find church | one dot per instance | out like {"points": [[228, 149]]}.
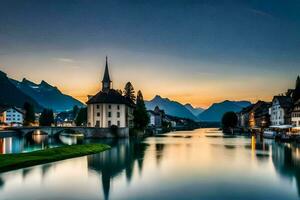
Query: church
{"points": [[109, 107]]}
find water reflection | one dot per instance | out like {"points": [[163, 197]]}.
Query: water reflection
{"points": [[159, 147], [10, 145], [120, 158], [36, 141], [285, 157], [286, 160], [186, 167], [70, 140]]}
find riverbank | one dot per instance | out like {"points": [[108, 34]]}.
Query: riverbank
{"points": [[21, 160]]}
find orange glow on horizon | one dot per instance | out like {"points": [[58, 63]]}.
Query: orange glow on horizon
{"points": [[201, 101]]}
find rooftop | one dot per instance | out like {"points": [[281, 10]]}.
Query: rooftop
{"points": [[112, 96], [284, 101]]}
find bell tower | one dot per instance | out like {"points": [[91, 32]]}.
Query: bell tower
{"points": [[106, 82]]}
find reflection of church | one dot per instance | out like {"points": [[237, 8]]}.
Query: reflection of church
{"points": [[121, 157]]}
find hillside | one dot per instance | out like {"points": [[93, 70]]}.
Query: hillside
{"points": [[170, 107], [194, 111], [11, 95], [215, 112], [47, 95]]}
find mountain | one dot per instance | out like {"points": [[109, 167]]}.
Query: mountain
{"points": [[215, 112], [194, 111], [170, 107], [11, 95], [47, 95]]}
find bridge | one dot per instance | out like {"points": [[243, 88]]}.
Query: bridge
{"points": [[88, 132]]}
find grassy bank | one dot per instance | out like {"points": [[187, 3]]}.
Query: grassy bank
{"points": [[16, 161]]}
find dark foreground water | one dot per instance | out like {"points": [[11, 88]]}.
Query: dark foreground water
{"points": [[201, 164]]}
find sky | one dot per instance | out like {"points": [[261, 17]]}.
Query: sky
{"points": [[191, 51]]}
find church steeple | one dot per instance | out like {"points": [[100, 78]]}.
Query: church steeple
{"points": [[106, 82]]}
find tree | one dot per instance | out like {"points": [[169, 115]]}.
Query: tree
{"points": [[81, 118], [129, 91], [141, 118], [229, 121], [29, 117], [75, 111], [46, 118], [119, 91]]}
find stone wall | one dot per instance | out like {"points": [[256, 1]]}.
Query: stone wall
{"points": [[106, 133]]}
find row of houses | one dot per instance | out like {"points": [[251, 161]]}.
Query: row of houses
{"points": [[159, 122], [283, 111], [14, 116]]}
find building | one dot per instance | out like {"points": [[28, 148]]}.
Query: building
{"points": [[156, 117], [295, 115], [109, 107], [252, 113], [280, 110], [255, 116], [262, 116], [243, 117], [11, 116], [66, 119]]}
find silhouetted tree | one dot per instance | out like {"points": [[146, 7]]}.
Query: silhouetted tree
{"points": [[229, 121], [46, 118], [75, 111], [81, 118], [119, 91], [29, 117], [141, 118], [129, 91]]}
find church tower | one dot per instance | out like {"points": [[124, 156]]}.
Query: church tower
{"points": [[106, 82]]}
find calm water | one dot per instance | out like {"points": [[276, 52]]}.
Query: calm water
{"points": [[182, 165]]}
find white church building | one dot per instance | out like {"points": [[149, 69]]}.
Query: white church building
{"points": [[109, 107]]}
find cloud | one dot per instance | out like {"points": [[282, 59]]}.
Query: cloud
{"points": [[65, 60], [261, 13]]}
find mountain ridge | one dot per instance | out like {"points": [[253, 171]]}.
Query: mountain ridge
{"points": [[13, 96], [47, 95], [215, 112], [170, 107], [194, 110]]}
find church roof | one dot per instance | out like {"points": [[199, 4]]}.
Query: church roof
{"points": [[111, 96], [106, 77]]}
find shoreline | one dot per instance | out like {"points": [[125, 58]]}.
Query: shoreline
{"points": [[9, 162]]}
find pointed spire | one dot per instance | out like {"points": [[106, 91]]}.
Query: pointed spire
{"points": [[106, 82], [106, 77]]}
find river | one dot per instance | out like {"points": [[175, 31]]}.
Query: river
{"points": [[199, 164]]}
